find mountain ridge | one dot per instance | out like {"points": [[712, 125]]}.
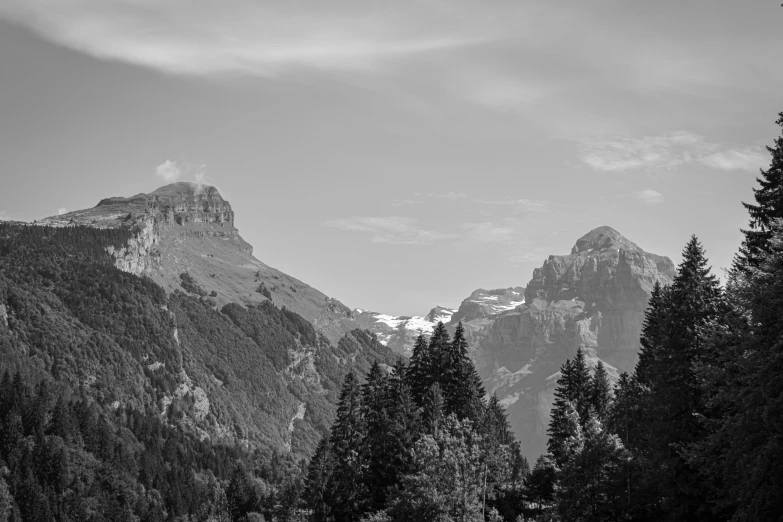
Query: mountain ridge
{"points": [[593, 297]]}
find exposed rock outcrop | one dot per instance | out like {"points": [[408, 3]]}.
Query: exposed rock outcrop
{"points": [[189, 228], [595, 298]]}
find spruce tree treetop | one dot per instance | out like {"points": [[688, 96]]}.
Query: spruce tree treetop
{"points": [[769, 206]]}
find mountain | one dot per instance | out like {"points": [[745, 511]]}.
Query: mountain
{"points": [[156, 303], [595, 297], [182, 237], [400, 332], [188, 228]]}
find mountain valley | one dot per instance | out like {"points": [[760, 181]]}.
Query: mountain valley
{"points": [[594, 298]]}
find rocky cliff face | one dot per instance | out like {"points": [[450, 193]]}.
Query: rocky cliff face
{"points": [[189, 228], [595, 298]]}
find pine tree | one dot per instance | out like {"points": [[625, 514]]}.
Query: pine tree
{"points": [[348, 432], [432, 412], [600, 392], [768, 207], [418, 374], [653, 334], [579, 386], [672, 344], [439, 352], [590, 485], [539, 486], [378, 442], [572, 392], [463, 391], [319, 479], [743, 413]]}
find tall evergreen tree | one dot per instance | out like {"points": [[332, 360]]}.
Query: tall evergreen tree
{"points": [[348, 433], [744, 393], [672, 344], [600, 392], [439, 352], [768, 207], [590, 486], [432, 412], [419, 372]]}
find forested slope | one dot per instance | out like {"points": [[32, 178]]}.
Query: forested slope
{"points": [[112, 346]]}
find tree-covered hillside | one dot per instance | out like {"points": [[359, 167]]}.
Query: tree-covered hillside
{"points": [[134, 370]]}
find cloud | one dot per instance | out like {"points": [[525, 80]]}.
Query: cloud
{"points": [[449, 195], [390, 229], [61, 211], [487, 232], [253, 37], [169, 171], [649, 197], [749, 159], [524, 204], [666, 152]]}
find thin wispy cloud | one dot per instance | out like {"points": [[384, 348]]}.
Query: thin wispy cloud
{"points": [[262, 38], [524, 204], [487, 232], [61, 211], [667, 152], [402, 202], [449, 195], [390, 229], [748, 159], [649, 197]]}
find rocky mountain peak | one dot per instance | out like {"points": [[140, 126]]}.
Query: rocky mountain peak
{"points": [[188, 228], [603, 238]]}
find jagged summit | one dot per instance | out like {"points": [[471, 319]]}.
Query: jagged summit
{"points": [[603, 238]]}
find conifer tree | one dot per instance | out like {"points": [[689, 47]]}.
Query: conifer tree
{"points": [[378, 444], [540, 486], [418, 374], [462, 388], [768, 207], [432, 413], [743, 392], [590, 485], [439, 352], [579, 386], [348, 433], [600, 392], [672, 344]]}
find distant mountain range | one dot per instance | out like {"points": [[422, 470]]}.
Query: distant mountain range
{"points": [[183, 238]]}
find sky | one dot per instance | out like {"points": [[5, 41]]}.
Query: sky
{"points": [[397, 155]]}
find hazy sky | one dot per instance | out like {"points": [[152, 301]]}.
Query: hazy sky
{"points": [[399, 154]]}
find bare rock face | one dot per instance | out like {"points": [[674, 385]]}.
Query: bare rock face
{"points": [[595, 298], [189, 228]]}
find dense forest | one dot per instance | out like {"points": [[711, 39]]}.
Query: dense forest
{"points": [[119, 402]]}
